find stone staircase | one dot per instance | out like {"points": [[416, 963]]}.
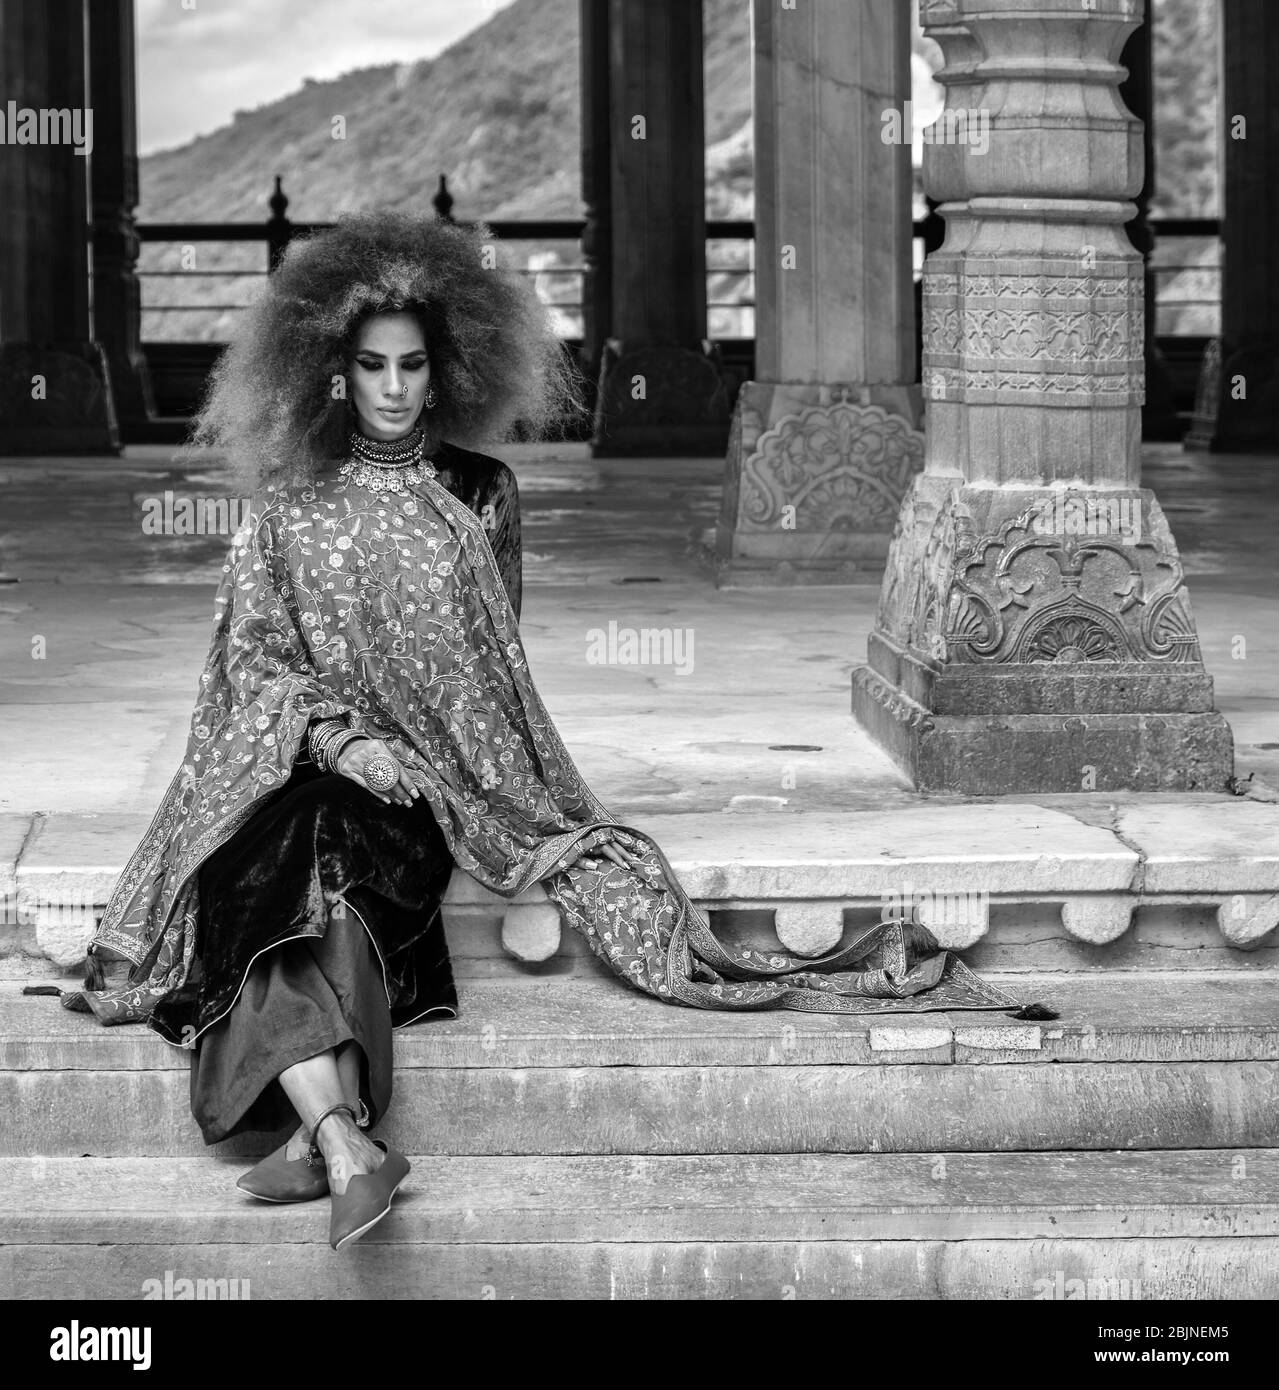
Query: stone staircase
{"points": [[571, 1138]]}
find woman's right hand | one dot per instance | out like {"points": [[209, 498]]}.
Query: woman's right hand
{"points": [[356, 756]]}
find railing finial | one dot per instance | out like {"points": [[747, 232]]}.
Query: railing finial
{"points": [[278, 200], [443, 201], [278, 228]]}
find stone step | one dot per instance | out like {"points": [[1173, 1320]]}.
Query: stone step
{"points": [[719, 1109], [1070, 882], [1183, 1224], [545, 1022], [577, 1066]]}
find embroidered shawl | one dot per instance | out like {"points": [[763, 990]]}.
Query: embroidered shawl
{"points": [[339, 600]]}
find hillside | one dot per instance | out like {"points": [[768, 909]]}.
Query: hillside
{"points": [[497, 111]]}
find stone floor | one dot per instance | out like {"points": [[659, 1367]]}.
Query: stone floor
{"points": [[102, 637]]}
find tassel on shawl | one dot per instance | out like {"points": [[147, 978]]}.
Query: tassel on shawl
{"points": [[95, 977], [919, 940], [1035, 1013]]}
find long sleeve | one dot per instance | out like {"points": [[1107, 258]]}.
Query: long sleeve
{"points": [[260, 689], [505, 536]]}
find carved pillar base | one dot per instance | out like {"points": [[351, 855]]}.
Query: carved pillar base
{"points": [[55, 399], [815, 476], [663, 401], [1039, 639]]}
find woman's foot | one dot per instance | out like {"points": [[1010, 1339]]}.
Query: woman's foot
{"points": [[367, 1198], [347, 1151], [287, 1175]]}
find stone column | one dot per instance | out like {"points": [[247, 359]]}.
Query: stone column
{"points": [[54, 396], [1158, 411], [1034, 633], [1248, 390], [660, 390], [827, 438], [117, 297], [597, 235]]}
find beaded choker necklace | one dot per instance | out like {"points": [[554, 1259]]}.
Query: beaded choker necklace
{"points": [[387, 465]]}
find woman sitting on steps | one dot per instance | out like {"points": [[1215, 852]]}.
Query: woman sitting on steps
{"points": [[366, 720]]}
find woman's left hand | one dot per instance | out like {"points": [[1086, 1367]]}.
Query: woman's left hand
{"points": [[619, 847], [357, 755]]}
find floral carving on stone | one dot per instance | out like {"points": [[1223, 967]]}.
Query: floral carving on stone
{"points": [[841, 466], [991, 337], [1075, 632], [1015, 595]]}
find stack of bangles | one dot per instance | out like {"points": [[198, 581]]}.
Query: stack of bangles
{"points": [[326, 741]]}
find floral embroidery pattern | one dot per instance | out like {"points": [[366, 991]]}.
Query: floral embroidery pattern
{"points": [[336, 599]]}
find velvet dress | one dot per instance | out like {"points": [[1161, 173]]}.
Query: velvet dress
{"points": [[320, 918]]}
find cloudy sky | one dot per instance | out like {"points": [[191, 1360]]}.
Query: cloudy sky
{"points": [[199, 61]]}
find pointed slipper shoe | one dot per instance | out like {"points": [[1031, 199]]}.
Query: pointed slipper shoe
{"points": [[281, 1179], [367, 1199]]}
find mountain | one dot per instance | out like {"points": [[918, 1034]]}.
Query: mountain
{"points": [[497, 111]]}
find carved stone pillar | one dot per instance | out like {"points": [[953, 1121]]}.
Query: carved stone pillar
{"points": [[117, 297], [1034, 633], [660, 390], [1248, 386], [827, 438], [54, 395]]}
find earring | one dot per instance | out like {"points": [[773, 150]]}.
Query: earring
{"points": [[430, 398]]}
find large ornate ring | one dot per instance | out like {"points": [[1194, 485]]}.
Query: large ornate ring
{"points": [[381, 773]]}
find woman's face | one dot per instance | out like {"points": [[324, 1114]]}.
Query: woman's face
{"points": [[389, 375]]}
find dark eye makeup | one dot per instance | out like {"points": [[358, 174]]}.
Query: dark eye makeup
{"points": [[411, 361]]}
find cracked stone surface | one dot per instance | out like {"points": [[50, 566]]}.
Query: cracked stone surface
{"points": [[1239, 841]]}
